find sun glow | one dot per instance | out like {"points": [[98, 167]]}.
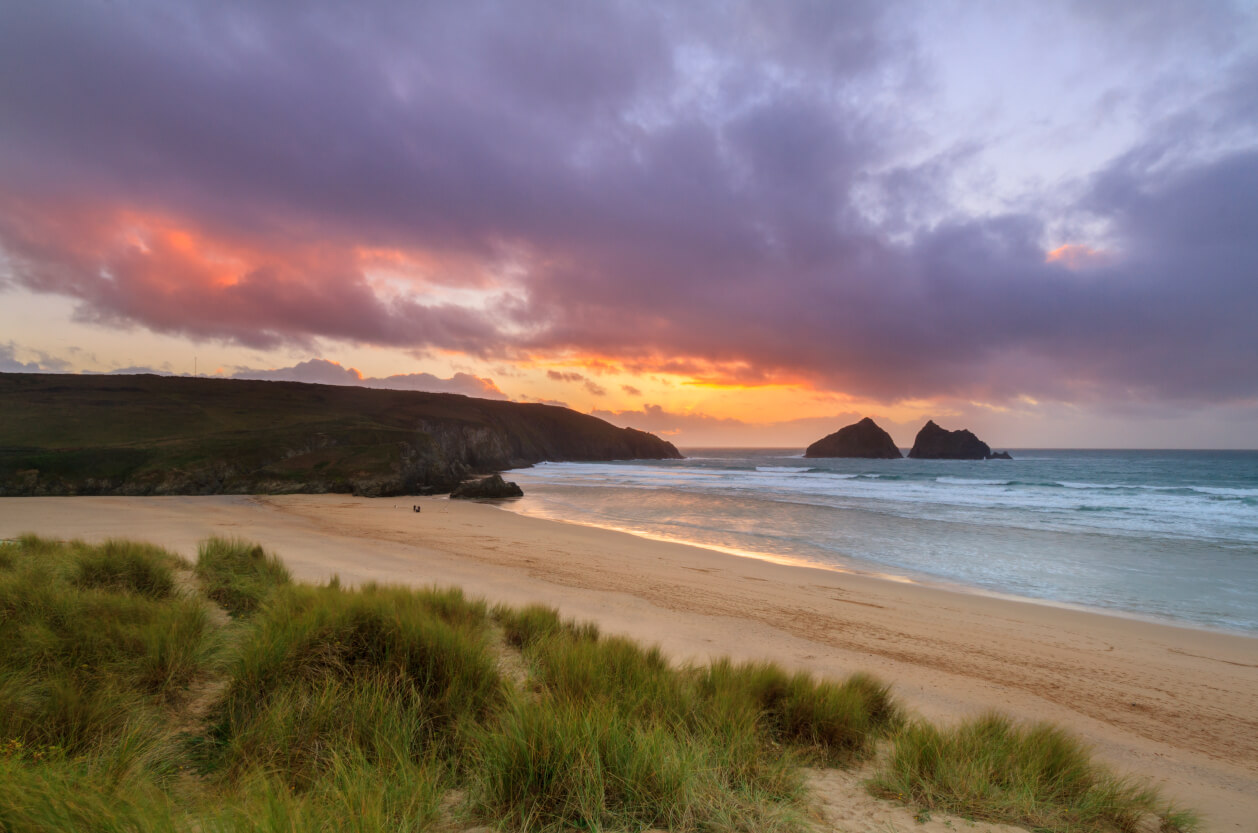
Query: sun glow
{"points": [[1076, 256]]}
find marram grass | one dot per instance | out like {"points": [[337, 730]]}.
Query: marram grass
{"points": [[991, 769], [238, 575], [124, 707], [380, 672]]}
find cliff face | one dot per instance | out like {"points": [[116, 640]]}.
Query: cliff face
{"points": [[151, 435], [935, 443], [863, 439]]}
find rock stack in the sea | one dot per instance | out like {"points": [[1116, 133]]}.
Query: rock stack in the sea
{"points": [[935, 443], [862, 439], [491, 486]]}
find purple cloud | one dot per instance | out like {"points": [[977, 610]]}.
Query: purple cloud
{"points": [[43, 363], [730, 188], [324, 372]]}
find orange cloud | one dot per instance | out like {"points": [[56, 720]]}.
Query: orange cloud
{"points": [[172, 276], [1076, 256]]}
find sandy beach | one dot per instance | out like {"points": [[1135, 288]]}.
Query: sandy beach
{"points": [[1177, 705]]}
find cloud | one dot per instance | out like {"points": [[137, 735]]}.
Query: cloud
{"points": [[42, 363], [324, 372], [739, 191], [631, 390], [568, 376]]}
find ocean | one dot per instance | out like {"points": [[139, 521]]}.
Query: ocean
{"points": [[1168, 535]]}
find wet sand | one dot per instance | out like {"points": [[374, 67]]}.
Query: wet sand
{"points": [[1177, 705]]}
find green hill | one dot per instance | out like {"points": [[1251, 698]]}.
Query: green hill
{"points": [[64, 434]]}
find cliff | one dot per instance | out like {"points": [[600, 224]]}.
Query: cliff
{"points": [[862, 439], [935, 443], [63, 434]]}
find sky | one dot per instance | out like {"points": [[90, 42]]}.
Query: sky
{"points": [[729, 223]]}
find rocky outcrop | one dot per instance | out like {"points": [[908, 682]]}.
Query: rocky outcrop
{"points": [[150, 435], [935, 443], [863, 439], [490, 486]]}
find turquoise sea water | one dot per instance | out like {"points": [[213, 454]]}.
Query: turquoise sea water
{"points": [[1164, 534]]}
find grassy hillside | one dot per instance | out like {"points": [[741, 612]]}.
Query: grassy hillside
{"points": [[66, 434], [140, 693]]}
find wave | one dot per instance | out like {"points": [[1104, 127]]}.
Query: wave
{"points": [[1084, 504], [1223, 491], [1071, 485]]}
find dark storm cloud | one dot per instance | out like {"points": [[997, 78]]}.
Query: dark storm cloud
{"points": [[653, 184]]}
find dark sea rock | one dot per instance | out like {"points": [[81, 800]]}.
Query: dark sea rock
{"points": [[935, 443], [862, 439], [492, 486], [1000, 455]]}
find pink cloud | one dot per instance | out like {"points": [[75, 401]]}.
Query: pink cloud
{"points": [[345, 175]]}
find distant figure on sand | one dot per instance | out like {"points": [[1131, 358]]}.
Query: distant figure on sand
{"points": [[415, 507]]}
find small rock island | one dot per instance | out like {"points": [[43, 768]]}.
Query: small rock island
{"points": [[935, 443], [862, 439]]}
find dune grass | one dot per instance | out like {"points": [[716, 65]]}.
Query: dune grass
{"points": [[526, 626], [385, 673], [1036, 776], [43, 794], [95, 643], [238, 575], [322, 708]]}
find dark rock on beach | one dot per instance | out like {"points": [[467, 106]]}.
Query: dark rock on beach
{"points": [[862, 439], [492, 486], [935, 443]]}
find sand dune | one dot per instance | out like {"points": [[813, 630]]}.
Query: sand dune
{"points": [[1177, 705]]}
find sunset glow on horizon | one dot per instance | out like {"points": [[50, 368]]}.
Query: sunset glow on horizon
{"points": [[729, 225]]}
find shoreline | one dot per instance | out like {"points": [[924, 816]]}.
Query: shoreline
{"points": [[935, 582], [1173, 703]]}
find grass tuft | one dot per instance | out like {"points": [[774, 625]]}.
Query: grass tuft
{"points": [[89, 661], [382, 672], [636, 680], [127, 567], [54, 794], [828, 722], [526, 626], [567, 766], [239, 575], [1037, 776]]}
